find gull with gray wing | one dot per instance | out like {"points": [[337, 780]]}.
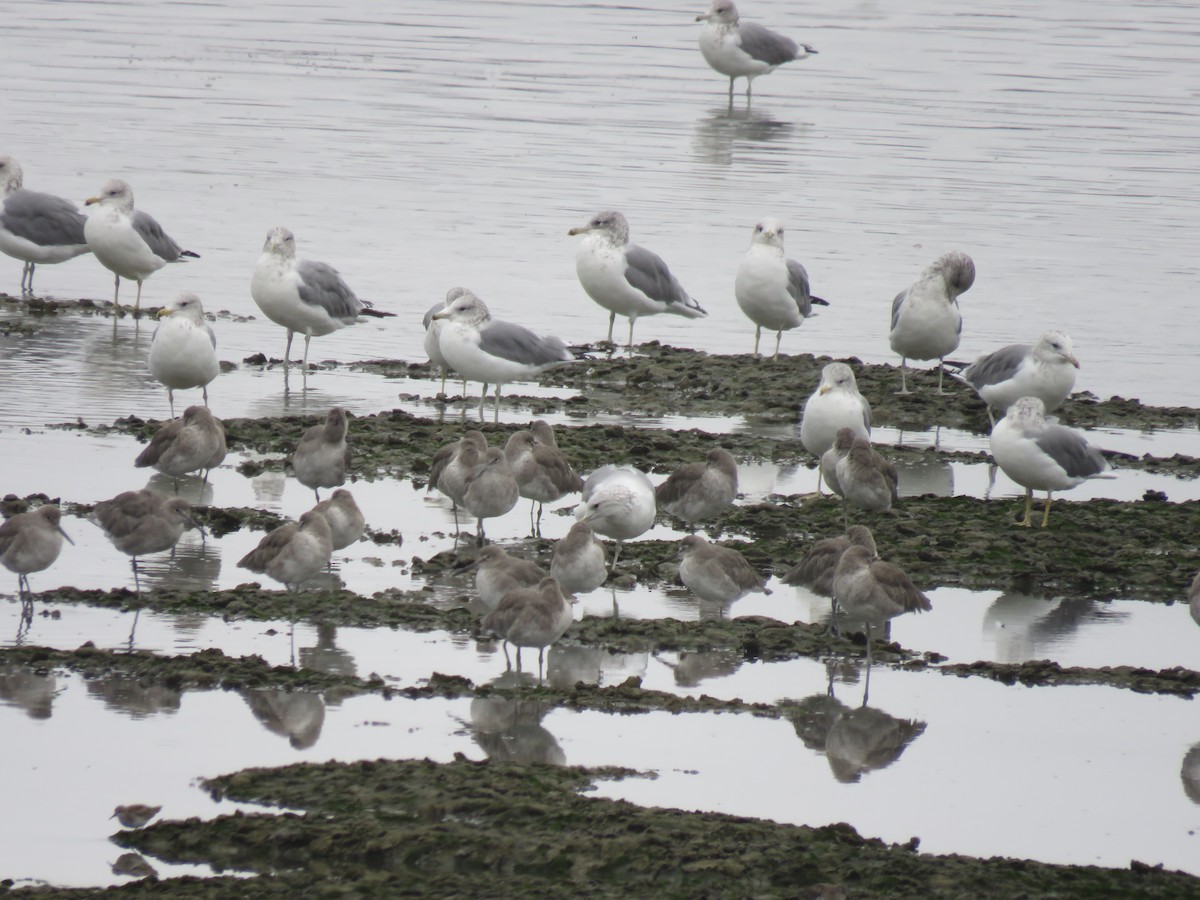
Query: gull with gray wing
{"points": [[744, 49], [183, 351], [926, 322], [771, 289], [36, 227], [1045, 370]]}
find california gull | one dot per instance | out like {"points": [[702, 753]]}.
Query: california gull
{"points": [[771, 289], [926, 322], [835, 404], [303, 296], [624, 278], [35, 227], [127, 241], [433, 333], [738, 49], [715, 573], [700, 490], [1041, 455], [618, 502], [322, 455], [531, 617], [183, 351], [293, 553], [1045, 370]]}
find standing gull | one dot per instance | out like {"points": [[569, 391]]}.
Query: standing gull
{"points": [[128, 242], [1045, 370], [143, 522], [492, 351], [188, 444], [301, 295], [322, 455], [346, 521], [542, 472], [497, 573], [183, 351], [1042, 456], [491, 489], [293, 553], [35, 227], [715, 573], [580, 562], [738, 49], [618, 502], [700, 490], [835, 404], [30, 542], [531, 617], [873, 591], [926, 322], [771, 289], [624, 278]]}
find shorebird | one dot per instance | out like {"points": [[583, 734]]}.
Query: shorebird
{"points": [[835, 404], [618, 502], [842, 442], [873, 591], [183, 351], [866, 480], [188, 444], [35, 227], [1042, 456], [926, 322], [744, 49], [293, 553], [700, 490], [1045, 370], [624, 278], [542, 472], [142, 522], [321, 457], [815, 570], [771, 289], [304, 296], [715, 573], [580, 562], [491, 489], [433, 332], [135, 815], [30, 542], [126, 241], [531, 617], [497, 573], [346, 520]]}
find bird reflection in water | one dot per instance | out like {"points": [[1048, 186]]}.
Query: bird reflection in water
{"points": [[28, 690], [325, 656], [690, 668], [723, 131], [133, 865], [296, 715], [567, 665], [1189, 773], [125, 695], [511, 730], [1026, 624]]}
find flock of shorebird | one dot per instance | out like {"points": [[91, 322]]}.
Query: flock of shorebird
{"points": [[529, 606]]}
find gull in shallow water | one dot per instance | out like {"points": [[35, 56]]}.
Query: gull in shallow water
{"points": [[700, 490], [743, 49], [188, 444], [926, 322], [35, 227], [771, 289], [126, 241], [1041, 455], [492, 351], [303, 296], [183, 351], [624, 278], [835, 404], [293, 553], [322, 455], [715, 573], [30, 542], [1045, 370], [618, 502], [143, 522]]}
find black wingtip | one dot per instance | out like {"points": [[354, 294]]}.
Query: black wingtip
{"points": [[581, 351], [819, 301], [375, 313], [189, 253]]}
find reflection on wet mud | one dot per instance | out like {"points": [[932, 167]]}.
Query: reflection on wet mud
{"points": [[296, 715], [511, 730], [1029, 626], [326, 656], [723, 130], [126, 695], [133, 865], [566, 665], [1189, 773], [26, 689], [692, 667], [926, 474], [193, 565]]}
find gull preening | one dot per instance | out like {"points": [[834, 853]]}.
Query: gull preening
{"points": [[618, 502], [190, 443], [302, 295], [624, 278], [492, 351], [321, 457], [1041, 455], [1045, 370], [35, 227], [771, 289], [835, 404], [700, 490], [926, 322], [743, 49], [183, 351], [126, 241], [715, 573], [293, 553]]}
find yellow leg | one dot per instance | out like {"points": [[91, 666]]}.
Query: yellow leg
{"points": [[1046, 515], [1027, 522]]}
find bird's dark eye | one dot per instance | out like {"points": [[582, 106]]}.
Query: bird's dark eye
{"points": [[758, 228]]}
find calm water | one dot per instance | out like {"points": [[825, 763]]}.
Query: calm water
{"points": [[436, 144]]}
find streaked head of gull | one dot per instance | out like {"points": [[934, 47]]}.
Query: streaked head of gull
{"points": [[723, 11], [1055, 347], [467, 308], [11, 176], [281, 242], [115, 193], [768, 232], [611, 224], [186, 305], [838, 375]]}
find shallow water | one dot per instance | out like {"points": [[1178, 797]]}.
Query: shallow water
{"points": [[436, 146]]}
